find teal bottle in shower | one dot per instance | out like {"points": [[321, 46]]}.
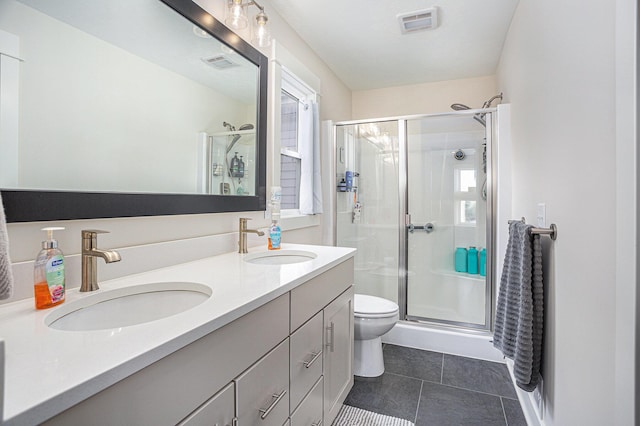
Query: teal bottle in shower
{"points": [[483, 262], [461, 259], [472, 260]]}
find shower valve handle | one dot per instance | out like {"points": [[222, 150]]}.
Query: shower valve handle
{"points": [[428, 228]]}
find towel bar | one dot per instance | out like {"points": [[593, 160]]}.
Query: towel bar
{"points": [[552, 231]]}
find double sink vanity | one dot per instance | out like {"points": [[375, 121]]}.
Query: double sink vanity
{"points": [[236, 339]]}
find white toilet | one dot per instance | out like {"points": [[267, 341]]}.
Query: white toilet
{"points": [[373, 317]]}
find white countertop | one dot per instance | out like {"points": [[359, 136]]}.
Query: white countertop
{"points": [[48, 371]]}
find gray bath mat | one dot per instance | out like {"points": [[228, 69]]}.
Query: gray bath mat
{"points": [[352, 416]]}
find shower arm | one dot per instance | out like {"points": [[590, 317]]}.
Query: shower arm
{"points": [[488, 103]]}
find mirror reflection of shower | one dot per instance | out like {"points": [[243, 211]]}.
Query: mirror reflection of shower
{"points": [[226, 160], [236, 168]]}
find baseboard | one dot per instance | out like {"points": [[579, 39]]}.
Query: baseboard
{"points": [[527, 401]]}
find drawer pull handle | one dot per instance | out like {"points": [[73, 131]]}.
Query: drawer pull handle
{"points": [[308, 364], [318, 423], [331, 330], [265, 411]]}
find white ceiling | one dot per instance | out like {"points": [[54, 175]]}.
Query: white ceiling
{"points": [[360, 40]]}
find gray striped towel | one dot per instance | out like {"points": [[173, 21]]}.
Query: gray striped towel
{"points": [[519, 314], [6, 277]]}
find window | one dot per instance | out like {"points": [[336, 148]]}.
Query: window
{"points": [[465, 187], [296, 139]]}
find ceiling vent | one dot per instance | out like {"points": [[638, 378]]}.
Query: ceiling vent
{"points": [[220, 62], [419, 20]]}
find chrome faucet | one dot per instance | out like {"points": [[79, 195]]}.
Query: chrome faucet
{"points": [[90, 253], [242, 242]]}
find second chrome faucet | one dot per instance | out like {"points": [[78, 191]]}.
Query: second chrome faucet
{"points": [[90, 253]]}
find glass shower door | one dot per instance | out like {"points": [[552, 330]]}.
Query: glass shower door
{"points": [[368, 208], [447, 206]]}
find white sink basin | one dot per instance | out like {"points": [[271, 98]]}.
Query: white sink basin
{"points": [[280, 257], [127, 306]]}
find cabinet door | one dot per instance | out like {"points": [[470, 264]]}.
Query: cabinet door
{"points": [[306, 358], [338, 353], [218, 411], [263, 390]]}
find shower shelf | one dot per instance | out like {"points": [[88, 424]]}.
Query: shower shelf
{"points": [[352, 189]]}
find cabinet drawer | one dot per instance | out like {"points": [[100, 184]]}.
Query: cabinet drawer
{"points": [[219, 410], [262, 392], [318, 292], [306, 358], [310, 410]]}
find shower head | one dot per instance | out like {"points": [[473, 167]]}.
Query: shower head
{"points": [[487, 104], [237, 136], [459, 107], [478, 117]]}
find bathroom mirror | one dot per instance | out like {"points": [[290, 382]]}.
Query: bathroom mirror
{"points": [[116, 108]]}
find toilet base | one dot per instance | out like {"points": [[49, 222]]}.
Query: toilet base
{"points": [[367, 358]]}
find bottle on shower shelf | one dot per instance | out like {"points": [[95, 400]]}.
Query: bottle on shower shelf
{"points": [[472, 260], [240, 167], [235, 166], [461, 259]]}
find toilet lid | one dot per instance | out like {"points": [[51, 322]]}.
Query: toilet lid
{"points": [[371, 305]]}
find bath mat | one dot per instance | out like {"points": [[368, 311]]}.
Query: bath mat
{"points": [[352, 416]]}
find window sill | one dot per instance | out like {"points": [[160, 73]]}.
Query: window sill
{"points": [[294, 220]]}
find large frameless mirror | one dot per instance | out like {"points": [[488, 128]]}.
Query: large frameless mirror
{"points": [[115, 108]]}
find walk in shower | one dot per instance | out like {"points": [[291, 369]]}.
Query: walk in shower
{"points": [[411, 192]]}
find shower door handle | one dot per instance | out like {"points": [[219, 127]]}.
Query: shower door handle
{"points": [[428, 228]]}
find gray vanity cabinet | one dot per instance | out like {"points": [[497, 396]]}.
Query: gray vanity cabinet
{"points": [[286, 362]]}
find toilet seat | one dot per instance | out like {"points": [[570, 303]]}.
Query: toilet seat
{"points": [[365, 306]]}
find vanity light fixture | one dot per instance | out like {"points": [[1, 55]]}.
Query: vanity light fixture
{"points": [[261, 34], [236, 15], [237, 20]]}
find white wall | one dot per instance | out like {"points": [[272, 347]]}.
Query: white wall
{"points": [[335, 103], [424, 98], [558, 72]]}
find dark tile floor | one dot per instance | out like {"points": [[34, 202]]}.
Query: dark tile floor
{"points": [[435, 389]]}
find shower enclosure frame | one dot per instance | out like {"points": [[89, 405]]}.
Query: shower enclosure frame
{"points": [[404, 215]]}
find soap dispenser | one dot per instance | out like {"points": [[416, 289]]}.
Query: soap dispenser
{"points": [[241, 167], [235, 166], [48, 273]]}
